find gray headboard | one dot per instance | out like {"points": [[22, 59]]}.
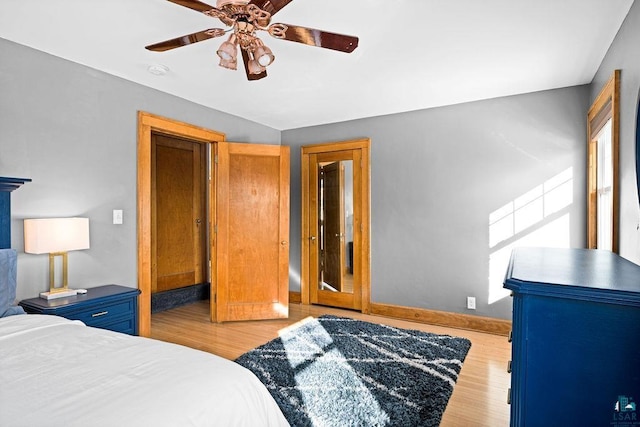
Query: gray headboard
{"points": [[7, 185]]}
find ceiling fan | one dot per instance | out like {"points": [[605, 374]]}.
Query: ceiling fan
{"points": [[245, 18]]}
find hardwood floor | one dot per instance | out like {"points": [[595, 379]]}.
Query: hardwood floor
{"points": [[479, 397]]}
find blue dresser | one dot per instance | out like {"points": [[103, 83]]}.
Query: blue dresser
{"points": [[575, 338], [110, 307]]}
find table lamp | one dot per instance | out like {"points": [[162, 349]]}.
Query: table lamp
{"points": [[56, 236]]}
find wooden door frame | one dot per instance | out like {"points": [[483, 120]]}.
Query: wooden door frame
{"points": [[148, 123], [608, 100], [362, 196]]}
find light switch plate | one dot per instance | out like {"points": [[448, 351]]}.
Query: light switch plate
{"points": [[117, 216]]}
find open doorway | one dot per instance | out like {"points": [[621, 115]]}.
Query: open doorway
{"points": [[179, 251], [247, 215], [148, 124]]}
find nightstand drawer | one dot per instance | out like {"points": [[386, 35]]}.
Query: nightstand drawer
{"points": [[104, 313], [126, 325]]}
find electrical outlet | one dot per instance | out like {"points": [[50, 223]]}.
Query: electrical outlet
{"points": [[471, 303]]}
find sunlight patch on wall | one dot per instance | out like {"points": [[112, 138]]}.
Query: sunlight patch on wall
{"points": [[532, 219], [554, 234]]}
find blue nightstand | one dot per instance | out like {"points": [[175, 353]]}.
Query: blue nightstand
{"points": [[110, 307]]}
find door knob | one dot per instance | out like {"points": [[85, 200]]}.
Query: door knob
{"points": [[283, 243]]}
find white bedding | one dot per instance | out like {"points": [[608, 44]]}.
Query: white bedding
{"points": [[57, 372]]}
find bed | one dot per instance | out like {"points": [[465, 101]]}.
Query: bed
{"points": [[59, 372]]}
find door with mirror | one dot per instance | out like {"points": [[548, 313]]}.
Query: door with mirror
{"points": [[336, 225]]}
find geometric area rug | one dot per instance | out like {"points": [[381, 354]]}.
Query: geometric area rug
{"points": [[337, 371]]}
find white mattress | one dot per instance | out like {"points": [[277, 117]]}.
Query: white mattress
{"points": [[57, 372]]}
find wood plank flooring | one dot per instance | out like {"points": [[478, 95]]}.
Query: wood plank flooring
{"points": [[479, 397]]}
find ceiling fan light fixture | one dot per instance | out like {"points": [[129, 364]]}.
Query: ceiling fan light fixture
{"points": [[263, 55], [254, 67], [231, 65], [228, 50]]}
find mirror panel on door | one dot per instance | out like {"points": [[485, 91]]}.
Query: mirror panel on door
{"points": [[335, 216]]}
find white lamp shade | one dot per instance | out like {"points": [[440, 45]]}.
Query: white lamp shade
{"points": [[47, 235]]}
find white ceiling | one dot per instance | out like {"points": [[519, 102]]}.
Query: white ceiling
{"points": [[413, 54]]}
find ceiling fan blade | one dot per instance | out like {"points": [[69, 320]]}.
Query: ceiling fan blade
{"points": [[193, 4], [313, 37], [245, 59], [185, 40], [271, 6]]}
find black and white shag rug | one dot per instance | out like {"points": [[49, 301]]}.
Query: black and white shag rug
{"points": [[336, 371]]}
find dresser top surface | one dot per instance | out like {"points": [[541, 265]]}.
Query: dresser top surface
{"points": [[584, 268]]}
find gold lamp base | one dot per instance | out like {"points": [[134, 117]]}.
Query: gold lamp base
{"points": [[59, 291]]}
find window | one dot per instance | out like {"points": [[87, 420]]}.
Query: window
{"points": [[602, 179]]}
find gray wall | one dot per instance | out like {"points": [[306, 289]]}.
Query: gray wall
{"points": [[73, 130], [623, 55], [437, 177]]}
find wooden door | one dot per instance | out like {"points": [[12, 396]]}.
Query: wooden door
{"points": [[178, 212], [330, 283], [252, 232], [355, 286], [332, 222]]}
